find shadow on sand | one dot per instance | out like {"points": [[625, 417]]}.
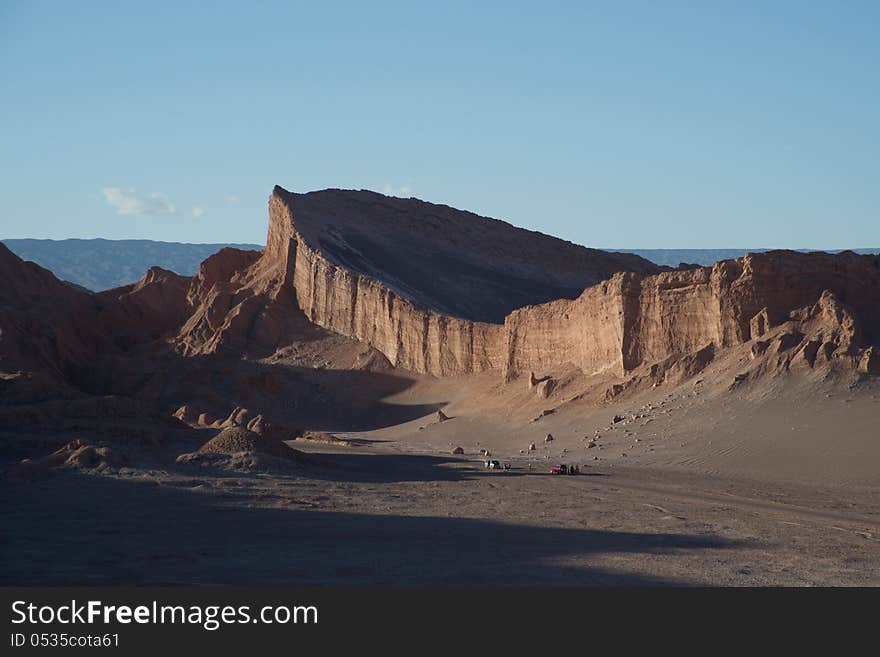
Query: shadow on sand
{"points": [[360, 467], [332, 400], [74, 529]]}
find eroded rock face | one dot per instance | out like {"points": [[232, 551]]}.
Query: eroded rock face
{"points": [[331, 247], [323, 267], [457, 263], [410, 336], [223, 300], [150, 309], [408, 277], [241, 302], [631, 320]]}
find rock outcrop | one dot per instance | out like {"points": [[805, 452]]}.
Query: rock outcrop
{"points": [[414, 279], [150, 309], [321, 273], [224, 299], [411, 279], [631, 320], [242, 302], [456, 263], [239, 449]]}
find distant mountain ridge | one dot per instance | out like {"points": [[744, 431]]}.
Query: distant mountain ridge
{"points": [[101, 264], [705, 257]]}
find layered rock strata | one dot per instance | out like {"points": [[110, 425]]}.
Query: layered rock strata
{"points": [[633, 320], [615, 326], [311, 274]]}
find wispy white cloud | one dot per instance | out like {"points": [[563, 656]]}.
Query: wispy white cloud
{"points": [[198, 211], [232, 198], [391, 190], [130, 202]]}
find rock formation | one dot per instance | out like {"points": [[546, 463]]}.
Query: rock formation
{"points": [[332, 246], [225, 299], [631, 320], [148, 310], [406, 277], [237, 448], [456, 263], [356, 274], [409, 278]]}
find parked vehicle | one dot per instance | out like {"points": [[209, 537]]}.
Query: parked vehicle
{"points": [[565, 469]]}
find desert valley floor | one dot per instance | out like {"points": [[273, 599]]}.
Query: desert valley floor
{"points": [[725, 505]]}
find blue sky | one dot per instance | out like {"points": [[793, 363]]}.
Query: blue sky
{"points": [[611, 124]]}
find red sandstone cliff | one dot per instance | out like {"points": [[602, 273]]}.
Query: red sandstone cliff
{"points": [[631, 321], [403, 276], [409, 278], [323, 266], [617, 325], [456, 263]]}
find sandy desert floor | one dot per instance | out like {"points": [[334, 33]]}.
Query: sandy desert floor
{"points": [[697, 485], [378, 515]]}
